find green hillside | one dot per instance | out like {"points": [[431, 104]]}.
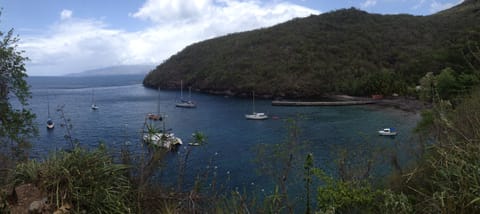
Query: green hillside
{"points": [[344, 51]]}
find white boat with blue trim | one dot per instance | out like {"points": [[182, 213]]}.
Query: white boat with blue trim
{"points": [[387, 132]]}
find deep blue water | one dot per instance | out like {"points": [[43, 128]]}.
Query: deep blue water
{"points": [[124, 102]]}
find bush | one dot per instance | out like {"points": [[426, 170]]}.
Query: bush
{"points": [[87, 180], [448, 179]]}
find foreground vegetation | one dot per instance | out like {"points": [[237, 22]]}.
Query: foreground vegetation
{"points": [[443, 178]]}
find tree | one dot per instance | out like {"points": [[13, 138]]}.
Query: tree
{"points": [[446, 84], [427, 87], [16, 120]]}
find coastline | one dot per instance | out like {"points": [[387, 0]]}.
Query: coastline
{"points": [[322, 103], [408, 104], [404, 103]]}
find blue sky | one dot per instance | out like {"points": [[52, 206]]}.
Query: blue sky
{"points": [[70, 36]]}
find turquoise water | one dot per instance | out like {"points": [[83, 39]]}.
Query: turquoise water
{"points": [[124, 102]]}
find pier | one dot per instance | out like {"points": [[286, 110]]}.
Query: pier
{"points": [[322, 103]]}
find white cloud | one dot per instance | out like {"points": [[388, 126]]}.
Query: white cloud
{"points": [[74, 45], [172, 10], [368, 3], [65, 14], [436, 6]]}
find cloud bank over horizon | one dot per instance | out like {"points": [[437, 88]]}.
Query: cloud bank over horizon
{"points": [[74, 44]]}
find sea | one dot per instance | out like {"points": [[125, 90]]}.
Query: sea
{"points": [[231, 141]]}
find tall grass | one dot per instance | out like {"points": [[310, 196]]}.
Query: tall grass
{"points": [[87, 180], [448, 180]]}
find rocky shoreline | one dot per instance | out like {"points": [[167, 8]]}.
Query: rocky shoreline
{"points": [[405, 104], [409, 104]]}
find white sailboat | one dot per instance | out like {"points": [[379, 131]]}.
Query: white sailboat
{"points": [[157, 116], [50, 123], [94, 106], [161, 138], [255, 115], [166, 140], [185, 103]]}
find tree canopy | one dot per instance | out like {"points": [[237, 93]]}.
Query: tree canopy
{"points": [[16, 120]]}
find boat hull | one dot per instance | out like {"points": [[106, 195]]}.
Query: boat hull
{"points": [[154, 117], [50, 124], [387, 132], [186, 105], [256, 116]]}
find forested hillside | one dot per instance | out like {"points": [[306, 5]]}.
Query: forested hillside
{"points": [[345, 51]]}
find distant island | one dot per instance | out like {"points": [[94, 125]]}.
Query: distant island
{"points": [[116, 70], [347, 51]]}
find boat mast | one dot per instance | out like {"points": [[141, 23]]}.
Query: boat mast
{"points": [[158, 102], [181, 90], [189, 93], [93, 97], [253, 101], [48, 105]]}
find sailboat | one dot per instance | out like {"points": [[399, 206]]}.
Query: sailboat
{"points": [[152, 116], [94, 106], [50, 123], [255, 115], [161, 138], [185, 103]]}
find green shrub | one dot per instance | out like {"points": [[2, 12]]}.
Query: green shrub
{"points": [[88, 180], [448, 178], [344, 196]]}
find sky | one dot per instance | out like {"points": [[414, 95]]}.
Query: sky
{"points": [[70, 36]]}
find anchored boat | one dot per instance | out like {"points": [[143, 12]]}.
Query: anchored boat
{"points": [[185, 103], [387, 132], [255, 115]]}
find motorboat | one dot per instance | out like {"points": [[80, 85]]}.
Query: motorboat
{"points": [[387, 132], [256, 116]]}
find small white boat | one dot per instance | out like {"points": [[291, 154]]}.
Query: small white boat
{"points": [[165, 140], [94, 107], [50, 124], [255, 115], [387, 132]]}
